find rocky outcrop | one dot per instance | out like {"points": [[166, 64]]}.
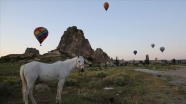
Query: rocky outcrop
{"points": [[73, 42], [29, 55], [52, 56], [101, 56], [31, 52]]}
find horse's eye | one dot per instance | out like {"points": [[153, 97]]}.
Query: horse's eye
{"points": [[79, 61]]}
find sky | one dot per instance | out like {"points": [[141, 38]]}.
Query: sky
{"points": [[126, 26]]}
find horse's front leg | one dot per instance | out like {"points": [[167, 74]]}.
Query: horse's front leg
{"points": [[59, 90]]}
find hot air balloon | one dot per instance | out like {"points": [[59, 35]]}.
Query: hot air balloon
{"points": [[162, 49], [152, 45], [41, 34], [135, 52], [106, 5]]}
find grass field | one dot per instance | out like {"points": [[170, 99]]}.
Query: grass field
{"points": [[130, 87]]}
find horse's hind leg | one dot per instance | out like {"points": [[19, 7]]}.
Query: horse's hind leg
{"points": [[31, 96], [59, 90], [26, 96], [30, 84]]}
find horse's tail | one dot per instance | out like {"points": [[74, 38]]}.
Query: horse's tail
{"points": [[24, 84]]}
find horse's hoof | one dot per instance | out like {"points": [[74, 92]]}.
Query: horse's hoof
{"points": [[58, 102]]}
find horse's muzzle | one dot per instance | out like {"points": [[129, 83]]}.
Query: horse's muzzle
{"points": [[82, 70]]}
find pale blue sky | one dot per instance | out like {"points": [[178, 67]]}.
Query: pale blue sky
{"points": [[128, 25]]}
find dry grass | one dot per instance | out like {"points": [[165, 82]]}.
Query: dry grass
{"points": [[130, 87]]}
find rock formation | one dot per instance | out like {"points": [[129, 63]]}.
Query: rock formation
{"points": [[29, 55], [74, 43], [101, 56], [31, 52]]}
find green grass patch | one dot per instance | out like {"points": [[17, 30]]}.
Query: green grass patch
{"points": [[129, 87]]}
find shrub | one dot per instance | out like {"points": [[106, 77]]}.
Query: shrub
{"points": [[5, 89], [173, 61], [119, 81], [117, 61], [101, 74], [71, 82], [90, 59], [124, 80], [2, 78], [11, 82]]}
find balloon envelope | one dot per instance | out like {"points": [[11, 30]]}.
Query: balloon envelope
{"points": [[106, 5], [41, 34], [152, 45], [135, 52], [162, 49]]}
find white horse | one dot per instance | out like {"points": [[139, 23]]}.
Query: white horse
{"points": [[47, 72]]}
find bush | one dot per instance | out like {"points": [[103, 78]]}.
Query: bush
{"points": [[135, 64], [173, 61], [116, 62], [71, 82], [5, 89], [119, 81], [123, 80], [2, 78], [11, 82], [90, 59], [101, 74]]}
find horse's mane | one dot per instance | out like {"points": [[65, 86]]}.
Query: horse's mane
{"points": [[67, 60]]}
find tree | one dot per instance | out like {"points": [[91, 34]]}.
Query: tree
{"points": [[173, 61], [147, 60], [117, 61]]}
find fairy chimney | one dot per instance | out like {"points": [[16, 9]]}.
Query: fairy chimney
{"points": [[101, 56], [74, 43], [31, 52]]}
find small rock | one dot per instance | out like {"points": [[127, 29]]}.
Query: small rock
{"points": [[108, 88]]}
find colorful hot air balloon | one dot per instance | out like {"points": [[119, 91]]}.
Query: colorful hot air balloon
{"points": [[162, 49], [106, 5], [152, 45], [135, 52], [41, 34]]}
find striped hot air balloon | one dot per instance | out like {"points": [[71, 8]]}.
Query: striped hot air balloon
{"points": [[41, 34]]}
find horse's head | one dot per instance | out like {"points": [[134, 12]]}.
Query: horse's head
{"points": [[80, 63]]}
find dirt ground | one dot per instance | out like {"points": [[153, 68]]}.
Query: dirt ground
{"points": [[176, 78]]}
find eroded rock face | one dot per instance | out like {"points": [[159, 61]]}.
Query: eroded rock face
{"points": [[31, 52], [74, 43], [101, 56]]}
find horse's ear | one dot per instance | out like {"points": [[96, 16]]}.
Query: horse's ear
{"points": [[78, 56]]}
